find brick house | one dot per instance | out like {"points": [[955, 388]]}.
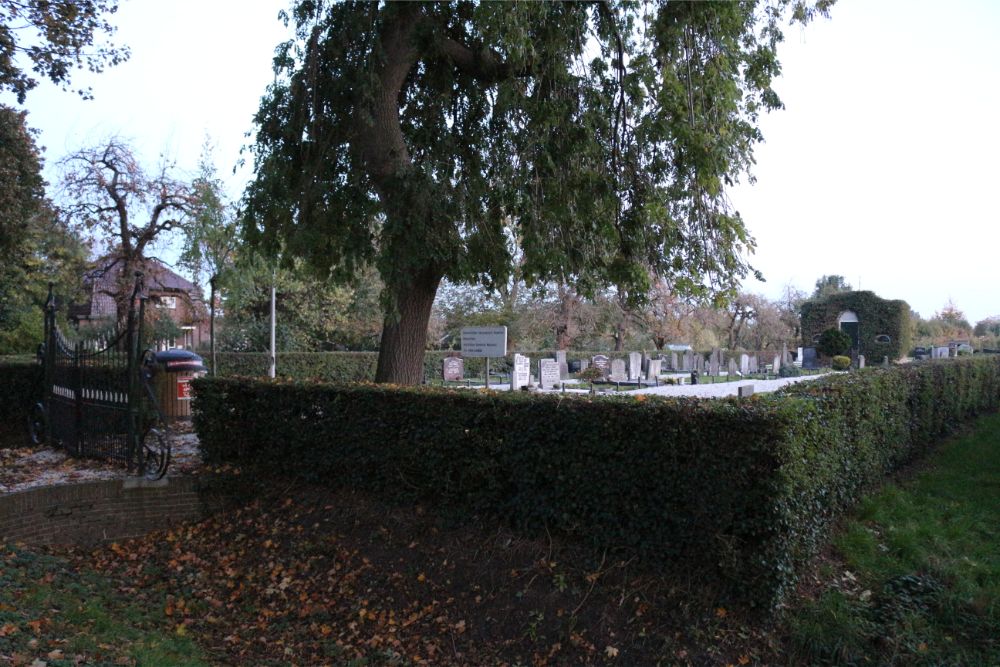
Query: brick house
{"points": [[169, 294]]}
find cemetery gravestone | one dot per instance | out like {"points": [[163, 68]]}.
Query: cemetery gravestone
{"points": [[634, 365], [744, 364], [776, 366], [584, 365], [453, 369], [754, 364], [673, 361], [713, 365], [521, 375], [563, 366], [809, 360], [601, 361], [548, 373], [733, 370], [745, 391], [861, 361], [618, 371], [653, 369]]}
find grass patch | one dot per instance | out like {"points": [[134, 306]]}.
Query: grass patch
{"points": [[53, 613], [918, 577]]}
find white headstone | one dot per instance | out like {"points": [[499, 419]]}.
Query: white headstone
{"points": [[745, 364], [673, 361], [521, 375], [548, 373], [653, 369], [618, 373], [733, 370], [776, 366], [452, 369], [861, 361], [601, 361], [754, 364], [745, 390], [713, 365], [634, 365]]}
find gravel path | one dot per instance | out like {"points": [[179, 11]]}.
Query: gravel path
{"points": [[722, 389]]}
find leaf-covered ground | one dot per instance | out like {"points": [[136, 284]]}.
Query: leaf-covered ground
{"points": [[307, 576]]}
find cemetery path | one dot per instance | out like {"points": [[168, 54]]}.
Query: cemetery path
{"points": [[723, 389]]}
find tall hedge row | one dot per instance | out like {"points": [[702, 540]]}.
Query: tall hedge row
{"points": [[20, 388], [745, 489]]}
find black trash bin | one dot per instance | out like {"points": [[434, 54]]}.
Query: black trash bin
{"points": [[173, 371]]}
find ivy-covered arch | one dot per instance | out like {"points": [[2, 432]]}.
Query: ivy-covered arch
{"points": [[883, 325]]}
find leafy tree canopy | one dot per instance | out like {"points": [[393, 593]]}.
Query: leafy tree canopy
{"points": [[424, 137], [55, 36], [22, 189], [827, 285]]}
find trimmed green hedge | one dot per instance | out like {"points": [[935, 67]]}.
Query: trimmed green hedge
{"points": [[20, 387], [746, 489]]}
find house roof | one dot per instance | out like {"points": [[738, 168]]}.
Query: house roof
{"points": [[103, 280]]}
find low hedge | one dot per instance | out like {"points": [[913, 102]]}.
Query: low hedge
{"points": [[744, 488], [20, 388]]}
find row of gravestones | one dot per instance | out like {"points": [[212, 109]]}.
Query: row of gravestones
{"points": [[637, 368]]}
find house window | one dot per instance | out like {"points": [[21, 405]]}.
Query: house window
{"points": [[166, 302]]}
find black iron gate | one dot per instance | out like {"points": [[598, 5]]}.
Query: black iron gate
{"points": [[98, 402]]}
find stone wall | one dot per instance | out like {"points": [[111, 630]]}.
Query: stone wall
{"points": [[107, 510]]}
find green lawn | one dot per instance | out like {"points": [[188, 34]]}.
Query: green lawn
{"points": [[916, 575], [57, 616]]}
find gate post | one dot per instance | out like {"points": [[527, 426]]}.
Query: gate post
{"points": [[78, 397], [49, 361], [133, 342]]}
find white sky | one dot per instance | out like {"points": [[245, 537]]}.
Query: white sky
{"points": [[882, 167]]}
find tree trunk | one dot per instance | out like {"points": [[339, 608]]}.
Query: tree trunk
{"points": [[401, 352], [211, 324]]}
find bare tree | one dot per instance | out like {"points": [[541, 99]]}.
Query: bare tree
{"points": [[107, 194]]}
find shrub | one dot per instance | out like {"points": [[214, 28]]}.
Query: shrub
{"points": [[590, 373], [743, 490], [833, 342], [789, 371], [840, 363]]}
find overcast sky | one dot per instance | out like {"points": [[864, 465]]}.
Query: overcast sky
{"points": [[882, 167]]}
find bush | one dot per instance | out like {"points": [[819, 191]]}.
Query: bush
{"points": [[833, 342], [590, 373], [789, 371], [840, 363], [741, 490]]}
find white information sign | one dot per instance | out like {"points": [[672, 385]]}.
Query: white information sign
{"points": [[484, 342]]}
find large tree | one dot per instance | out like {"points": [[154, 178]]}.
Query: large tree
{"points": [[108, 195], [55, 37], [412, 136]]}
